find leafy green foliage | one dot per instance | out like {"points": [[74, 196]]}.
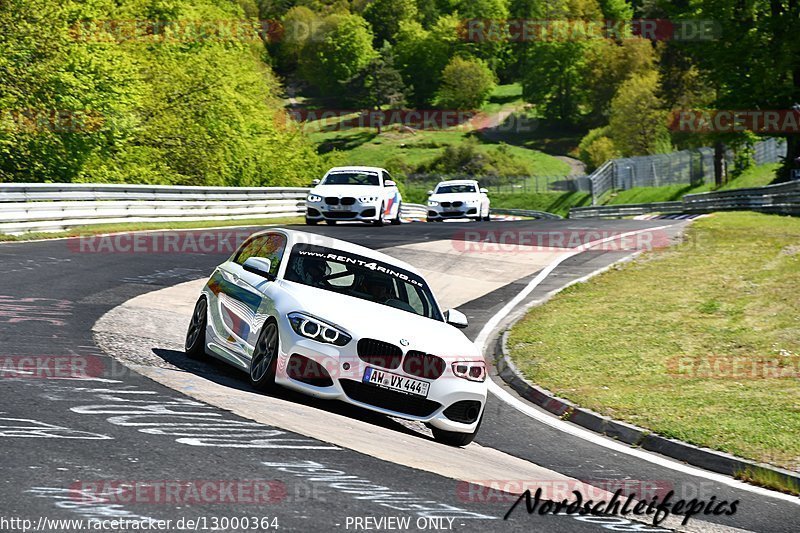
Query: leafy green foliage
{"points": [[466, 159], [638, 123], [193, 108], [466, 84]]}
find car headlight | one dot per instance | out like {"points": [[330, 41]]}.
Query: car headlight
{"points": [[317, 330], [471, 370], [314, 198], [432, 203], [367, 199]]}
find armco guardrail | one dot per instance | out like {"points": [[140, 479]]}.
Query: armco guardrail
{"points": [[783, 199], [26, 207], [525, 213], [625, 210]]}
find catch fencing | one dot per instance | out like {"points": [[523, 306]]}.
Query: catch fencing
{"points": [[686, 167]]}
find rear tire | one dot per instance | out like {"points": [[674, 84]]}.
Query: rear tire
{"points": [[265, 357], [396, 220], [195, 344], [454, 438]]}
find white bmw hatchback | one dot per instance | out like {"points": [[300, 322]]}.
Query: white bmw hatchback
{"points": [[458, 199], [364, 194], [339, 321]]}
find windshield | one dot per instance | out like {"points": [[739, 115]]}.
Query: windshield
{"points": [[361, 277], [446, 189], [351, 178]]}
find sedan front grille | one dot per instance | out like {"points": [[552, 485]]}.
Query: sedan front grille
{"points": [[388, 399], [347, 200], [332, 200], [444, 204], [423, 365], [379, 353], [458, 204]]}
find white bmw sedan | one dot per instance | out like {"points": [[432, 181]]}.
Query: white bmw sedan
{"points": [[458, 199], [339, 321], [364, 194]]}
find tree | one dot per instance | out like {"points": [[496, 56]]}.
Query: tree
{"points": [[344, 49], [753, 57], [385, 17], [466, 84], [379, 84], [552, 79], [638, 124], [422, 55]]}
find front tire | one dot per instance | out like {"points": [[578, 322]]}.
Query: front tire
{"points": [[454, 438], [330, 222], [379, 221], [396, 220], [265, 357], [195, 344], [310, 222]]}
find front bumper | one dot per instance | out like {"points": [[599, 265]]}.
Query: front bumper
{"points": [[345, 370], [365, 212], [445, 212]]}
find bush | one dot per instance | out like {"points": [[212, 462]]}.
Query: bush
{"points": [[466, 84], [596, 148], [465, 158]]}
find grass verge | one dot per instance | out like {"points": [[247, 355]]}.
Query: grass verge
{"points": [[97, 229], [698, 342]]}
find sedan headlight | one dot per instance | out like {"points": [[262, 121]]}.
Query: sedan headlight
{"points": [[367, 199], [315, 329], [471, 370], [314, 198], [432, 203]]}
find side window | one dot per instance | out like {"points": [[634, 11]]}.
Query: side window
{"points": [[386, 177], [415, 301], [270, 246], [249, 249]]}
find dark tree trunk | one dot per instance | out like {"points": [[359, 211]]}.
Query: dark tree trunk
{"points": [[719, 164]]}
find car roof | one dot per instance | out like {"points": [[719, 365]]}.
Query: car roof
{"points": [[363, 169], [458, 182], [304, 237]]}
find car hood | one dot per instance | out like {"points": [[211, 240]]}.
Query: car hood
{"points": [[454, 197], [367, 319], [347, 190]]}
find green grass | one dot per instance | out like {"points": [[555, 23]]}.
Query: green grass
{"points": [[732, 289], [143, 226], [363, 146], [752, 177]]}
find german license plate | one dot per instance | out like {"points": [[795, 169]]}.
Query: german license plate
{"points": [[395, 382], [338, 207]]}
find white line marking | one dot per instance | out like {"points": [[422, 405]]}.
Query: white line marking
{"points": [[579, 432]]}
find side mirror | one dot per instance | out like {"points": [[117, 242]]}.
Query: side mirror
{"points": [[259, 266], [484, 190], [456, 318], [314, 183], [430, 193], [389, 183]]}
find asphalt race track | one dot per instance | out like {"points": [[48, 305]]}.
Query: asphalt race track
{"points": [[61, 437]]}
